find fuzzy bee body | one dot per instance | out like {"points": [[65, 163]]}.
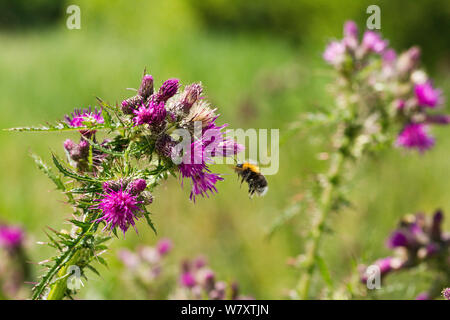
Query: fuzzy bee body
{"points": [[251, 174]]}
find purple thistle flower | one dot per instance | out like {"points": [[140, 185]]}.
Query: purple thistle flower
{"points": [[119, 209], [164, 246], [190, 95], [426, 95], [137, 186], [79, 117], [446, 293], [334, 53], [202, 180], [372, 41], [440, 119], [168, 89], [397, 239], [164, 145], [187, 279], [423, 296], [129, 259], [11, 237], [350, 29], [389, 57], [415, 136], [152, 114], [350, 35], [146, 88]]}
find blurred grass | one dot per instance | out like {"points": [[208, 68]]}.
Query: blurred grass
{"points": [[256, 80]]}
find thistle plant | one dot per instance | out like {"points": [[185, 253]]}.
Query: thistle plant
{"points": [[123, 154], [199, 282], [418, 240], [150, 272], [383, 99]]}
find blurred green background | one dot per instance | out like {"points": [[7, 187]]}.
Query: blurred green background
{"points": [[261, 65]]}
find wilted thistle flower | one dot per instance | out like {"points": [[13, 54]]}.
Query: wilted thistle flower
{"points": [[11, 237], [119, 209]]}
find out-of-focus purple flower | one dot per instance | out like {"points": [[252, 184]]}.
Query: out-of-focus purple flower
{"points": [[119, 209], [350, 29], [426, 95], [334, 53], [423, 296], [80, 117], [200, 262], [440, 119], [372, 41], [11, 237], [446, 293], [435, 232], [408, 61], [415, 136], [152, 114], [389, 57], [146, 88], [129, 259], [400, 104], [350, 34], [187, 280], [164, 246], [397, 239]]}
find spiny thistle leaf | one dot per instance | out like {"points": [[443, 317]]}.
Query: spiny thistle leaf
{"points": [[69, 173]]}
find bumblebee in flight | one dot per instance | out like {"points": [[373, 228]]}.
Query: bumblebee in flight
{"points": [[251, 174]]}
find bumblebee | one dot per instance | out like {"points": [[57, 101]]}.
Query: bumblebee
{"points": [[251, 174]]}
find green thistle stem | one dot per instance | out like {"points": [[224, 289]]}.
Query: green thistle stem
{"points": [[59, 288], [325, 206]]}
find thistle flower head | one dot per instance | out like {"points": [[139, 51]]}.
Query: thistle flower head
{"points": [[372, 41], [426, 95], [119, 209], [164, 246], [191, 94], [397, 239], [168, 89], [146, 88], [415, 136], [350, 29], [152, 114], [82, 118], [334, 53], [11, 237], [137, 186], [187, 280]]}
